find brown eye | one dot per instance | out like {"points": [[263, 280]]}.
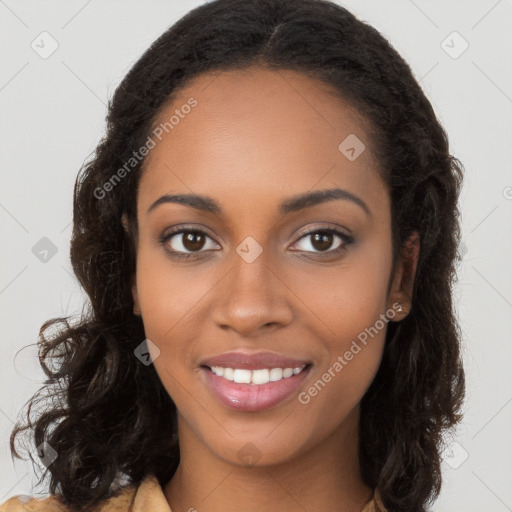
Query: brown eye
{"points": [[186, 242], [193, 241], [328, 241], [322, 240]]}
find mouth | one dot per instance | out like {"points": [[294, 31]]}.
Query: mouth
{"points": [[257, 389]]}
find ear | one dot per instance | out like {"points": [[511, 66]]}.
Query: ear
{"points": [[124, 222], [403, 278], [135, 295]]}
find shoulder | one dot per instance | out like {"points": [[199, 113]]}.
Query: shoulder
{"points": [[120, 501], [24, 503]]}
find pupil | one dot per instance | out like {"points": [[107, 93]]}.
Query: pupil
{"points": [[193, 241], [322, 241]]}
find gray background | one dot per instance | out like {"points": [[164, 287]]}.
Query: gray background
{"points": [[52, 116]]}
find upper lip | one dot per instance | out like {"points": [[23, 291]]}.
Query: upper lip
{"points": [[254, 361]]}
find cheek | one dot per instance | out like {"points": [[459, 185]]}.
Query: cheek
{"points": [[172, 297], [170, 294], [352, 349], [347, 298]]}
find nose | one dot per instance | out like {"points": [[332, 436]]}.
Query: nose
{"points": [[252, 299]]}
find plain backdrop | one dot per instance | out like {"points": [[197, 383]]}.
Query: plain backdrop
{"points": [[52, 116]]}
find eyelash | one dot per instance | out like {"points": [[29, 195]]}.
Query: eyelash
{"points": [[162, 240]]}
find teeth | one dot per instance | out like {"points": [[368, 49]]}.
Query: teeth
{"points": [[242, 376], [228, 373], [276, 374], [263, 376], [260, 376]]}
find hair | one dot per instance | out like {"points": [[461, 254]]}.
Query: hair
{"points": [[109, 415]]}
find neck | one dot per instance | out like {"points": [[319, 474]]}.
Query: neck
{"points": [[325, 477]]}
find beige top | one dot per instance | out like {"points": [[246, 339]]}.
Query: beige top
{"points": [[147, 497]]}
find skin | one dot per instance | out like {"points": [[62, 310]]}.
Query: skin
{"points": [[256, 138]]}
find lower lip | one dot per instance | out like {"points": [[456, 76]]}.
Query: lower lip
{"points": [[253, 397]]}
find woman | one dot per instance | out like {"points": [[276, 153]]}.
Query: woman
{"points": [[268, 237]]}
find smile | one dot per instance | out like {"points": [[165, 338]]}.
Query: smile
{"points": [[253, 390], [256, 377]]}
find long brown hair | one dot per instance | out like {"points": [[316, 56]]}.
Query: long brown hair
{"points": [[105, 413]]}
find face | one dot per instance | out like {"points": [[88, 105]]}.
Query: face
{"points": [[253, 268]]}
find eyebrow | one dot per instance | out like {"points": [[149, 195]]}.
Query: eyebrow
{"points": [[292, 204]]}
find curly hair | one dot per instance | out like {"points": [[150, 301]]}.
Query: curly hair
{"points": [[104, 401]]}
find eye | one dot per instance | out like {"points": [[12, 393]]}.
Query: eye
{"points": [[321, 240], [183, 242]]}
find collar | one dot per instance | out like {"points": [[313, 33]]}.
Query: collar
{"points": [[149, 496]]}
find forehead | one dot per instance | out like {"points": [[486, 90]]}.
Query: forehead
{"points": [[260, 131]]}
